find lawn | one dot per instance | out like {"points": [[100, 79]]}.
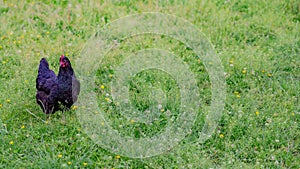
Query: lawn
{"points": [[258, 43]]}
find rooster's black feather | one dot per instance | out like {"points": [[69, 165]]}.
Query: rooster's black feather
{"points": [[47, 88], [69, 86]]}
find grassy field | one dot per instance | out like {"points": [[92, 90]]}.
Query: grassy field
{"points": [[258, 43]]}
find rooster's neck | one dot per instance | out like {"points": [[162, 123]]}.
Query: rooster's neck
{"points": [[67, 71]]}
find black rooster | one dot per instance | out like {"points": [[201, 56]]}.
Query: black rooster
{"points": [[52, 89], [68, 85], [47, 88]]}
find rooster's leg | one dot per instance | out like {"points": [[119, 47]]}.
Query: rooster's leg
{"points": [[44, 109]]}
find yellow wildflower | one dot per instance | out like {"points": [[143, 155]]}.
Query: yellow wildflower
{"points": [[7, 100], [107, 99], [74, 107], [69, 162], [238, 96], [236, 92], [244, 71], [110, 75], [231, 61], [132, 121], [1, 105], [117, 156], [269, 74], [59, 156], [22, 127], [102, 87], [221, 135], [257, 112], [11, 142], [85, 163], [263, 71]]}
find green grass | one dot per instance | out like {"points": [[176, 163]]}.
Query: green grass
{"points": [[258, 43]]}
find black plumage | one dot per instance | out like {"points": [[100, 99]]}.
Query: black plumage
{"points": [[52, 89], [47, 88], [69, 86]]}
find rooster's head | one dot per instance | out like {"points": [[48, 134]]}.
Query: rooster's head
{"points": [[64, 61]]}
